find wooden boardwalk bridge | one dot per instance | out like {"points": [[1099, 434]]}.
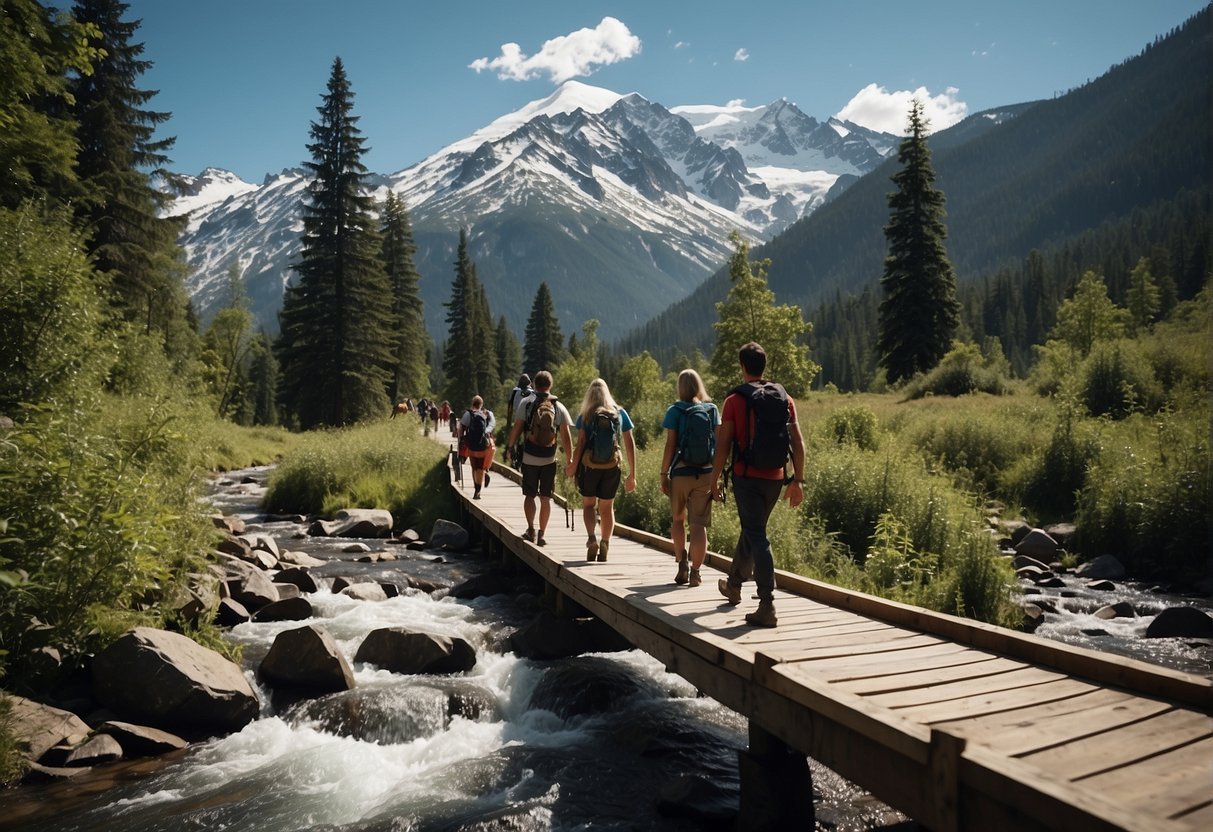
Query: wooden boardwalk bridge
{"points": [[958, 724]]}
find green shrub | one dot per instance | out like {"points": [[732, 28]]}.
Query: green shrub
{"points": [[979, 448], [962, 371], [1116, 380], [12, 763], [855, 425], [104, 523], [1048, 480], [1147, 497]]}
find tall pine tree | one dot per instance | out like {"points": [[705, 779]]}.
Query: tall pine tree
{"points": [[509, 353], [128, 238], [410, 368], [919, 312], [543, 348], [459, 364], [336, 341]]}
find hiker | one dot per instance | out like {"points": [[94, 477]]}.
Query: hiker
{"points": [[444, 414], [760, 433], [602, 426], [513, 453], [686, 472], [476, 441], [423, 409], [539, 420], [434, 415]]}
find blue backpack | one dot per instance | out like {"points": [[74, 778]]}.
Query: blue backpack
{"points": [[602, 434], [696, 436]]}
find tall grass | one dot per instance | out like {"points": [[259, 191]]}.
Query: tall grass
{"points": [[383, 464]]}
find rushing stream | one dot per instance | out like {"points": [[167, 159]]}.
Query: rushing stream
{"points": [[475, 751]]}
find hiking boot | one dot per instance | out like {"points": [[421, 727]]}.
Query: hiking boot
{"points": [[476, 494], [731, 593], [684, 570], [602, 550], [529, 535], [764, 616], [694, 579], [591, 549], [539, 541]]}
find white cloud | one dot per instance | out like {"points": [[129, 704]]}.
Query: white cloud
{"points": [[682, 44], [735, 103], [741, 55], [878, 109], [566, 56]]}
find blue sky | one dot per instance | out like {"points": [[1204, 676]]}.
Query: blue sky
{"points": [[242, 78]]}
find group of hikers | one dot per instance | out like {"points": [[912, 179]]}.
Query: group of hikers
{"points": [[438, 414], [748, 443]]}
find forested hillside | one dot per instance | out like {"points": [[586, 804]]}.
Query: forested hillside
{"points": [[1123, 160]]}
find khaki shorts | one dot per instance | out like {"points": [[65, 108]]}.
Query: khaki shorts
{"points": [[692, 496]]}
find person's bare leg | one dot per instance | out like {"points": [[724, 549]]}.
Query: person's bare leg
{"points": [[699, 545], [606, 517], [589, 515], [528, 510], [678, 534], [545, 511]]}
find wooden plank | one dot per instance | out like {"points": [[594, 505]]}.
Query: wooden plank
{"points": [[1040, 726], [889, 664], [909, 680], [1123, 744], [937, 712], [799, 655], [1163, 785], [1200, 817], [1017, 678]]}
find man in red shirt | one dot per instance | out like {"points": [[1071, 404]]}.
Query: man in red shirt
{"points": [[754, 437]]}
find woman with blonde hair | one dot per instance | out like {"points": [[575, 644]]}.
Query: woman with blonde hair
{"points": [[602, 426], [686, 472]]}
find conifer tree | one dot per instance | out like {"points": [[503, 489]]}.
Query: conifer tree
{"points": [[543, 348], [919, 313], [410, 368], [509, 353], [1142, 297], [459, 363], [335, 347], [749, 314], [260, 405], [128, 238]]}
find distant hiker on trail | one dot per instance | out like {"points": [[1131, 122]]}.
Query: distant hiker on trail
{"points": [[539, 419], [760, 431], [434, 415], [423, 410], [476, 441], [513, 453], [686, 472], [602, 426], [444, 414]]}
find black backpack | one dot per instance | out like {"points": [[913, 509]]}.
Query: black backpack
{"points": [[768, 442], [696, 435], [477, 434]]}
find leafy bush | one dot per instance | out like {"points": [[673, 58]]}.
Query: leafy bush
{"points": [[854, 425], [11, 761], [104, 523], [1147, 497], [1048, 480], [962, 371], [980, 448], [1116, 380]]}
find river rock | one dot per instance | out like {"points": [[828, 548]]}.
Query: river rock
{"points": [[298, 577], [235, 546], [286, 591], [229, 524], [1024, 562], [365, 592], [307, 657], [588, 685], [448, 535], [698, 798], [165, 679], [288, 609], [550, 636], [355, 548], [1181, 622], [252, 588], [1121, 609], [1061, 532], [1037, 544], [408, 536], [481, 586], [264, 542], [354, 522], [1101, 586], [99, 749], [37, 728], [1104, 566], [1033, 617], [402, 651], [301, 559], [231, 612], [141, 740]]}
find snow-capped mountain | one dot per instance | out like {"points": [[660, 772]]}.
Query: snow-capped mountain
{"points": [[621, 205]]}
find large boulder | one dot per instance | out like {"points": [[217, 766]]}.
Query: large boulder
{"points": [[229, 524], [264, 542], [1103, 567], [288, 609], [365, 591], [402, 651], [141, 740], [298, 576], [448, 535], [1037, 544], [252, 588], [1181, 622], [307, 657], [166, 680], [354, 522], [38, 728], [588, 685]]}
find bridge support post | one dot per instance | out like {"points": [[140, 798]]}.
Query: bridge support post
{"points": [[776, 785]]}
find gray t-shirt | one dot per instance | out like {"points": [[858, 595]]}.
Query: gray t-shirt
{"points": [[562, 418]]}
